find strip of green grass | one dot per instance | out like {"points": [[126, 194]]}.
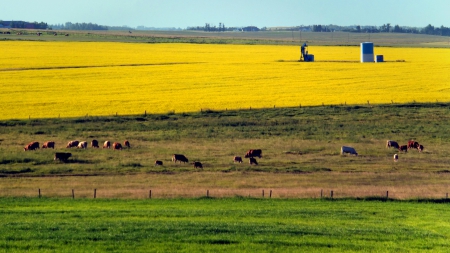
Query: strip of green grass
{"points": [[222, 225]]}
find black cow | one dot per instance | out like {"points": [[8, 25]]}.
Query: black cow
{"points": [[254, 153], [62, 156], [178, 157]]}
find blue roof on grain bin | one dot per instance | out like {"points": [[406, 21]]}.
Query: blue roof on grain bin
{"points": [[367, 47]]}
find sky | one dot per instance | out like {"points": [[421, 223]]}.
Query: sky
{"points": [[232, 13]]}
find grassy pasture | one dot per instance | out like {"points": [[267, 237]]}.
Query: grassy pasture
{"points": [[222, 225], [300, 153]]}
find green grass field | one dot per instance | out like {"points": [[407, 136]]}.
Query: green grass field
{"points": [[222, 225]]}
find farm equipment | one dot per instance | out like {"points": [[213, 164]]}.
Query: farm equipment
{"points": [[304, 56]]}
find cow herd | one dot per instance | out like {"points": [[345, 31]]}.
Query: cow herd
{"points": [[63, 157], [412, 144], [251, 154]]}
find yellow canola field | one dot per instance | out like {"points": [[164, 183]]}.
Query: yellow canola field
{"points": [[69, 79]]}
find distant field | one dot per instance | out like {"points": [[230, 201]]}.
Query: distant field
{"points": [[272, 37], [222, 225], [70, 79]]}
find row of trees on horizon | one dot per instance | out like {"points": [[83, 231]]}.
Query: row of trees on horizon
{"points": [[385, 28]]}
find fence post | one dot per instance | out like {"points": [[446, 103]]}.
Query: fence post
{"points": [[73, 194], [446, 195], [95, 193], [270, 194], [387, 194], [39, 192], [150, 194], [331, 194], [263, 193], [321, 193], [207, 193]]}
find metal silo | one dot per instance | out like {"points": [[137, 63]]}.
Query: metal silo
{"points": [[367, 52]]}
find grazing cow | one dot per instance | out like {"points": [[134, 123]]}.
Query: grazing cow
{"points": [[420, 148], [403, 148], [237, 159], [392, 144], [49, 144], [117, 146], [254, 153], [158, 163], [253, 161], [413, 144], [197, 165], [31, 146], [72, 144], [349, 150], [395, 157], [62, 156], [178, 157], [94, 143], [82, 144], [107, 144], [126, 144]]}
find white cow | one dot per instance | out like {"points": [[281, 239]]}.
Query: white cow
{"points": [[350, 150], [395, 157], [82, 144]]}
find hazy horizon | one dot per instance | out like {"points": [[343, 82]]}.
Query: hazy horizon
{"points": [[232, 13]]}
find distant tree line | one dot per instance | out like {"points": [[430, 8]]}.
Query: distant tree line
{"points": [[79, 26], [209, 28], [386, 28], [23, 24], [222, 28]]}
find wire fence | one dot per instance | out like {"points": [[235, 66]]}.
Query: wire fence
{"points": [[223, 193]]}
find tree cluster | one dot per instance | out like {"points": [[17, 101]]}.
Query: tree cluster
{"points": [[387, 28], [209, 28], [79, 26], [25, 25]]}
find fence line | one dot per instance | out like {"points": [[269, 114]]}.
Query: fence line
{"points": [[210, 194]]}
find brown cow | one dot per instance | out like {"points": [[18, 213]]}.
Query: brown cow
{"points": [[403, 148], [237, 159], [157, 162], [31, 146], [72, 144], [117, 146], [49, 144], [126, 143], [254, 153], [107, 144], [178, 157], [62, 156], [197, 165], [253, 161], [413, 144]]}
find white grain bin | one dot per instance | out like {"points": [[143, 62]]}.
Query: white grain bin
{"points": [[367, 52]]}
